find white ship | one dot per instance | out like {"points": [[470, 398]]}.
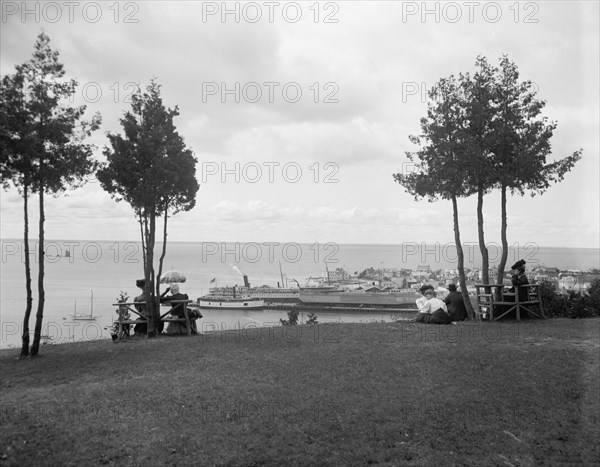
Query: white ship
{"points": [[224, 302], [268, 295]]}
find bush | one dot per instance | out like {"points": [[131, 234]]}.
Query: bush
{"points": [[292, 318], [312, 319], [571, 305]]}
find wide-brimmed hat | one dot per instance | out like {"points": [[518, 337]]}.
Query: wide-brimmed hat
{"points": [[519, 264]]}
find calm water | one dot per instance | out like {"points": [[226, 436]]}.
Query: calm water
{"points": [[106, 268]]}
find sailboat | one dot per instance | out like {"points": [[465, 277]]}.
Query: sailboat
{"points": [[82, 317]]}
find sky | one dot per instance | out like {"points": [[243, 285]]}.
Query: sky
{"points": [[299, 113]]}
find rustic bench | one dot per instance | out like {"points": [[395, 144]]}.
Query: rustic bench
{"points": [[126, 308], [488, 301]]}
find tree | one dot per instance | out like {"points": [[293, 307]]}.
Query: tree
{"points": [[439, 172], [520, 144], [476, 94], [150, 168], [43, 149], [16, 167]]}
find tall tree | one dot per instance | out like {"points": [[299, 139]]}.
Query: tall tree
{"points": [[476, 94], [150, 168], [521, 143], [440, 168], [45, 150], [16, 167], [178, 192]]}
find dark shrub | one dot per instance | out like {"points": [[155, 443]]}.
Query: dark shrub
{"points": [[570, 305], [292, 318]]}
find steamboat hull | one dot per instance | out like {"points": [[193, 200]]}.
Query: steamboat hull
{"points": [[359, 300], [216, 303]]}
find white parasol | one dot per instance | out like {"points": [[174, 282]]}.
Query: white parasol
{"points": [[171, 277]]}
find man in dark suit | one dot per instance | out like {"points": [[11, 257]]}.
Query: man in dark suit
{"points": [[456, 305]]}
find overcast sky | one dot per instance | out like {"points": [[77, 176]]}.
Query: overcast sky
{"points": [[327, 95]]}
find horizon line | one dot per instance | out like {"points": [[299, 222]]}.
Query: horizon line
{"points": [[513, 245]]}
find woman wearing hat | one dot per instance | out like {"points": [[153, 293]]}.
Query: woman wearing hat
{"points": [[456, 305], [431, 309], [519, 279]]}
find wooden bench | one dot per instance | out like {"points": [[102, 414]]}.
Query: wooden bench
{"points": [[126, 308], [185, 319], [488, 302]]}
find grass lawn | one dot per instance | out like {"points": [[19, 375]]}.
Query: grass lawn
{"points": [[337, 394]]}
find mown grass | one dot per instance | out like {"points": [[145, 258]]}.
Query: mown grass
{"points": [[338, 394]]}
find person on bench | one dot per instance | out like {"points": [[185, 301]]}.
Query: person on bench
{"points": [[179, 327], [141, 328], [517, 279], [142, 309]]}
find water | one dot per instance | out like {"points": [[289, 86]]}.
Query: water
{"points": [[107, 268]]}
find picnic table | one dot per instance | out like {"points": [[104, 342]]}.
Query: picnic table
{"points": [[128, 308], [491, 299]]}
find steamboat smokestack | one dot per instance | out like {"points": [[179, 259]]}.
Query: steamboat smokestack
{"points": [[246, 283]]}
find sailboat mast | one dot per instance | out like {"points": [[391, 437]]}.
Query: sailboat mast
{"points": [[281, 273]]}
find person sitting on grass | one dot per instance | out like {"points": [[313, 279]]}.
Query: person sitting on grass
{"points": [[432, 310], [455, 303]]}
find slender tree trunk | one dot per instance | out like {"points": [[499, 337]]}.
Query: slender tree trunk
{"points": [[504, 240], [148, 288], [141, 221], [485, 260], [39, 317], [504, 256], [29, 300], [163, 253], [152, 302], [461, 261]]}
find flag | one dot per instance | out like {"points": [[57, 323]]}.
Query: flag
{"points": [[214, 279]]}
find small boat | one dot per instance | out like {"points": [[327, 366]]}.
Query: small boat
{"points": [[82, 317]]}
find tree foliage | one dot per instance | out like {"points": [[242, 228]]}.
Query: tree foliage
{"points": [[485, 132], [43, 148], [519, 145], [150, 168], [439, 170]]}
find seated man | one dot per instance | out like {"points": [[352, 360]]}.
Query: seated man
{"points": [[142, 309], [141, 328]]}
